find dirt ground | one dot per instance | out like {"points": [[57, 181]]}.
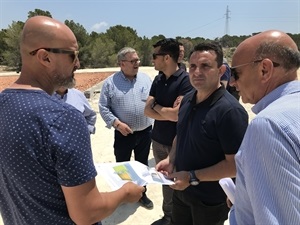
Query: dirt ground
{"points": [[83, 80]]}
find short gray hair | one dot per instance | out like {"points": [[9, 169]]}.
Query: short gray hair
{"points": [[287, 57], [122, 53]]}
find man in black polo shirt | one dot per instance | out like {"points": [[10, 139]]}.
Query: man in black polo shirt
{"points": [[167, 90], [210, 128]]}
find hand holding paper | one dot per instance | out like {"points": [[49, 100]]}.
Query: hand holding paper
{"points": [[117, 174]]}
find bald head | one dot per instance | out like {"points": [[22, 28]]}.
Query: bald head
{"points": [[42, 32], [49, 54], [262, 63], [273, 44]]}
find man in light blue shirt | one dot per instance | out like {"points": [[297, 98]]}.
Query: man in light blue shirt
{"points": [[268, 162], [121, 105], [77, 99]]}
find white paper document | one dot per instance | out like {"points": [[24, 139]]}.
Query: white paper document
{"points": [[117, 174], [228, 187]]}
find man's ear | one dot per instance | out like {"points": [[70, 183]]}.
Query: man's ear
{"points": [[222, 70], [43, 57], [266, 69]]}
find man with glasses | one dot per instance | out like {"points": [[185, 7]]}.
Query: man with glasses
{"points": [[268, 162], [47, 174], [121, 105], [203, 150], [167, 90]]}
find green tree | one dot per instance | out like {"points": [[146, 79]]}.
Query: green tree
{"points": [[39, 12], [83, 40], [12, 57], [145, 50], [3, 45], [123, 36], [102, 52], [11, 37], [157, 38]]}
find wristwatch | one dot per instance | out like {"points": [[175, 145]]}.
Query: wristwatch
{"points": [[193, 179], [153, 105]]}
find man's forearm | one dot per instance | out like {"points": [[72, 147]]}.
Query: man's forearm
{"points": [[166, 113]]}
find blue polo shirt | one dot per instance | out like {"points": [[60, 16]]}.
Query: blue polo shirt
{"points": [[205, 133], [44, 144], [165, 91]]}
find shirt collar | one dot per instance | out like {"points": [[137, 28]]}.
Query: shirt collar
{"points": [[176, 74], [124, 77], [284, 89], [212, 99]]}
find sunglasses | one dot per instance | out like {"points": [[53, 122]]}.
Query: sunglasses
{"points": [[73, 54], [134, 61], [234, 73], [154, 55]]}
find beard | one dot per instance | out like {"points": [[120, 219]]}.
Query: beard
{"points": [[64, 81]]}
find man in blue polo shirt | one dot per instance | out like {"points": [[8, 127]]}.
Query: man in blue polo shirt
{"points": [[47, 173], [205, 150]]}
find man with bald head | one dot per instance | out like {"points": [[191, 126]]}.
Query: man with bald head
{"points": [[47, 174], [268, 162]]}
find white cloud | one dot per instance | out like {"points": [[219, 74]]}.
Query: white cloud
{"points": [[99, 26]]}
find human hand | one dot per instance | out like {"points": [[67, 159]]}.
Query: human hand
{"points": [[181, 179], [177, 101], [165, 167], [133, 192], [124, 129]]}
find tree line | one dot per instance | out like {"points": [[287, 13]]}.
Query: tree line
{"points": [[99, 50]]}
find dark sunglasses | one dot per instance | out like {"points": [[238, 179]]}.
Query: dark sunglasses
{"points": [[154, 55], [234, 73], [73, 54]]}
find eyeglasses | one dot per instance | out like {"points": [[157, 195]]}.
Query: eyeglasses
{"points": [[73, 54], [234, 73], [134, 61], [154, 55]]}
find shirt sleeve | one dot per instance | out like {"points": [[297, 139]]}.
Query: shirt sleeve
{"points": [[236, 121], [90, 117], [70, 146], [185, 86], [105, 104]]}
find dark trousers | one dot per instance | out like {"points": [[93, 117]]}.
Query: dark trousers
{"points": [[139, 142], [189, 210]]}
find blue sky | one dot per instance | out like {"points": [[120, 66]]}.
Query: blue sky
{"points": [[186, 18]]}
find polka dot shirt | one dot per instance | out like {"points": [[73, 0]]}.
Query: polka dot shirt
{"points": [[44, 143]]}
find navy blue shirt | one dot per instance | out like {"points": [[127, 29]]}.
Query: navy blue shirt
{"points": [[44, 143], [205, 133], [165, 91]]}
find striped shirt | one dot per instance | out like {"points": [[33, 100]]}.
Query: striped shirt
{"points": [[125, 100], [77, 99], [268, 162]]}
